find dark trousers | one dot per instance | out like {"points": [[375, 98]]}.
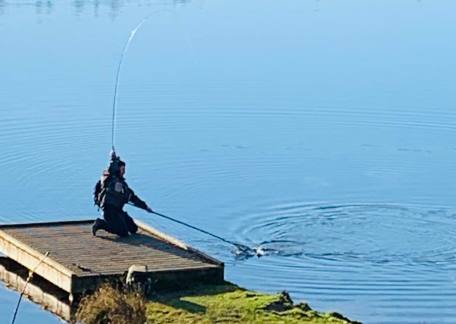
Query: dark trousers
{"points": [[116, 221]]}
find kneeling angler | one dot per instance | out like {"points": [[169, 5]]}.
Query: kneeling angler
{"points": [[111, 193]]}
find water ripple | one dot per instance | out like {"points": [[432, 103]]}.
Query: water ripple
{"points": [[374, 233]]}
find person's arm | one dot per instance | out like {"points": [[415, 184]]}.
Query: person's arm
{"points": [[96, 192], [138, 202]]}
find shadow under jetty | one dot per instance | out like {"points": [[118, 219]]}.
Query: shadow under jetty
{"points": [[38, 290]]}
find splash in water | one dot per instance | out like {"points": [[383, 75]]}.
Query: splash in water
{"points": [[283, 248]]}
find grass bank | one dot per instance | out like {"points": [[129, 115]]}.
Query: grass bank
{"points": [[225, 303], [229, 303]]}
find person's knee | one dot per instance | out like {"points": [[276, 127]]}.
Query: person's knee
{"points": [[131, 225], [133, 228]]}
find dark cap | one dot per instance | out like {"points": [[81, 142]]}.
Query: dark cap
{"points": [[115, 164]]}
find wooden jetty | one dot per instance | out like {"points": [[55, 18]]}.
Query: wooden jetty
{"points": [[78, 262]]}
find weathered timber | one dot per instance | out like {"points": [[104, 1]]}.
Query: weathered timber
{"points": [[37, 290], [78, 262]]}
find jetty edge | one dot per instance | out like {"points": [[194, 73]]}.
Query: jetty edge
{"points": [[70, 264]]}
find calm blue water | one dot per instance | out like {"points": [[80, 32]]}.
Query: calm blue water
{"points": [[323, 131]]}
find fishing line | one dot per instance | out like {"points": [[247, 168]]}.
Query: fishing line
{"points": [[114, 103], [116, 85], [30, 275]]}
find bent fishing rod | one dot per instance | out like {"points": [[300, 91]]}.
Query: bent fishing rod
{"points": [[241, 247], [114, 102]]}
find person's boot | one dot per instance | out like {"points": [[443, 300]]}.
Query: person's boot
{"points": [[96, 226]]}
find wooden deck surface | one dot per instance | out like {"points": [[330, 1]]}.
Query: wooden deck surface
{"points": [[75, 254]]}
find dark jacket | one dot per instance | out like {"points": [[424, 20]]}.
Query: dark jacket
{"points": [[113, 191]]}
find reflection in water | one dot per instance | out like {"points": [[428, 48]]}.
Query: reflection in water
{"points": [[44, 7], [80, 6], [38, 290], [41, 7]]}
